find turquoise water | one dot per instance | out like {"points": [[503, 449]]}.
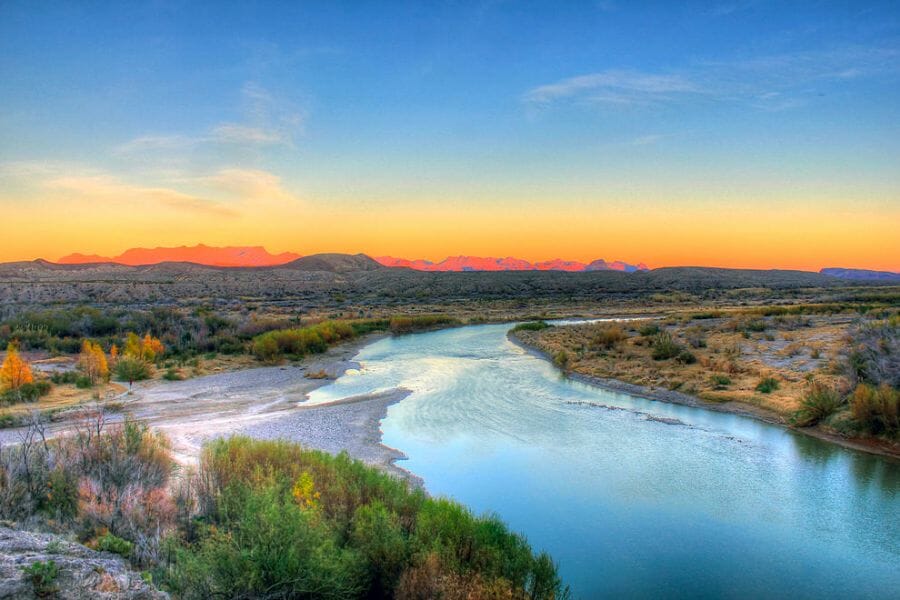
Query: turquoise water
{"points": [[698, 504]]}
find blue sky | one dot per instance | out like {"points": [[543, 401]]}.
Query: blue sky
{"points": [[364, 105]]}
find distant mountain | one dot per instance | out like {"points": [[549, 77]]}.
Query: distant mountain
{"points": [[334, 263], [490, 263], [860, 274], [257, 256], [228, 256]]}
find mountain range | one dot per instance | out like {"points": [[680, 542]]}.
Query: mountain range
{"points": [[257, 256]]}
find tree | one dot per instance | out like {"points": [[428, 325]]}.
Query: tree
{"points": [[93, 362], [15, 372], [131, 369], [147, 348]]}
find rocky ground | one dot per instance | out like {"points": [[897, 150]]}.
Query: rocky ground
{"points": [[81, 573]]}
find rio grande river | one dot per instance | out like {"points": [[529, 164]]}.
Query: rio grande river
{"points": [[634, 498]]}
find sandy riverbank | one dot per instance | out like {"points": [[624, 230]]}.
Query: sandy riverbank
{"points": [[737, 408], [262, 402]]}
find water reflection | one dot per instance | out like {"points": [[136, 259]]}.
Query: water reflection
{"points": [[634, 497]]}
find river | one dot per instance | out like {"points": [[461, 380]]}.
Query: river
{"points": [[632, 497]]}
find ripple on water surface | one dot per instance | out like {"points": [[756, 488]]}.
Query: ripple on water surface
{"points": [[634, 497]]}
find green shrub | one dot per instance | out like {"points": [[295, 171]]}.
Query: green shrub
{"points": [[561, 359], [114, 544], [64, 377], [720, 382], [83, 382], [27, 392], [172, 374], [767, 385], [61, 499], [818, 403], [664, 346], [686, 357], [131, 370], [532, 326], [281, 521], [649, 329], [43, 577]]}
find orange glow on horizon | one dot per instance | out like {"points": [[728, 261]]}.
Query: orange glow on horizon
{"points": [[787, 238]]}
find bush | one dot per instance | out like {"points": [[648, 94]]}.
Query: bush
{"points": [[664, 346], [281, 521], [686, 357], [83, 382], [27, 392], [532, 326], [876, 410], [875, 355], [64, 377], [43, 577], [767, 385], [172, 374], [649, 329], [561, 359], [819, 403], [111, 543], [608, 336], [132, 369], [720, 382]]}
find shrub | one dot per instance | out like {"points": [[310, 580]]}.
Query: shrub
{"points": [[819, 403], [720, 382], [131, 370], [172, 374], [111, 543], [608, 336], [648, 329], [664, 346], [561, 359], [83, 382], [281, 521], [767, 385], [876, 410], [686, 357], [28, 392], [532, 326], [696, 337], [43, 577], [875, 355], [64, 377]]}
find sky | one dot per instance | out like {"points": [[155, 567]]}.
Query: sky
{"points": [[733, 133]]}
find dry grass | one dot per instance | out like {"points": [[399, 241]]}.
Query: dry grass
{"points": [[65, 396], [730, 347]]}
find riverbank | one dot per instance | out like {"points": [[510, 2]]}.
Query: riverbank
{"points": [[262, 402], [732, 407]]}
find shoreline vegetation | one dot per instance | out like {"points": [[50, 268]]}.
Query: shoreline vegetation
{"points": [[256, 518], [851, 400]]}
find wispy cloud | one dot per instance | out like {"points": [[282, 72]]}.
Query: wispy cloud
{"points": [[269, 121], [767, 82], [225, 192], [247, 184], [106, 188], [649, 139], [613, 86]]}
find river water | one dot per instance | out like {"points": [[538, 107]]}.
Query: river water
{"points": [[634, 498]]}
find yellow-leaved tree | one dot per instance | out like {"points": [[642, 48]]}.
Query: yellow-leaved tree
{"points": [[92, 361], [15, 372], [146, 348]]}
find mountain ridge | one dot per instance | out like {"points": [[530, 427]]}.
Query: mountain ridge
{"points": [[258, 256]]}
